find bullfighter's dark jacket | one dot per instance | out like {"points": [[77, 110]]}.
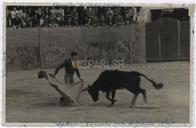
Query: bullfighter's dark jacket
{"points": [[69, 68]]}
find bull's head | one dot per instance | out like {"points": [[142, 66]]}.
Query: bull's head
{"points": [[94, 93]]}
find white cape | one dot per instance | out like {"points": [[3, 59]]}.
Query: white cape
{"points": [[68, 91]]}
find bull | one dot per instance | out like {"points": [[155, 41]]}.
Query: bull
{"points": [[111, 80]]}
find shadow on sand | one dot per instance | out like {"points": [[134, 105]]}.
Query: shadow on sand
{"points": [[144, 107]]}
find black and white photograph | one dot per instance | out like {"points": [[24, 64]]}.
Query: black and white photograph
{"points": [[97, 64]]}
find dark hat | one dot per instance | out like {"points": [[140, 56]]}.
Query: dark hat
{"points": [[74, 53], [42, 74]]}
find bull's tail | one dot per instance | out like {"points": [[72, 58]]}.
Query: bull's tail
{"points": [[156, 85]]}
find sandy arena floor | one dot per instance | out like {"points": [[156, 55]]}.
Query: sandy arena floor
{"points": [[32, 100]]}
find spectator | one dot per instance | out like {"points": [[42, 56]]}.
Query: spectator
{"points": [[59, 19], [102, 21], [14, 12], [61, 12], [74, 17], [35, 21], [31, 12], [53, 13], [17, 22], [41, 21], [101, 12], [118, 20], [81, 15], [69, 19], [134, 13], [28, 21], [127, 17], [109, 15], [40, 13], [9, 19], [95, 21]]}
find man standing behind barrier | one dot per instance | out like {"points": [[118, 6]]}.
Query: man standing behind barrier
{"points": [[71, 66]]}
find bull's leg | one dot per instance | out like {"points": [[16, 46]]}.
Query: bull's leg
{"points": [[135, 92], [143, 91], [135, 89], [108, 97], [113, 96], [133, 100]]}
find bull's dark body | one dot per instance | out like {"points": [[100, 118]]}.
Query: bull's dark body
{"points": [[112, 80]]}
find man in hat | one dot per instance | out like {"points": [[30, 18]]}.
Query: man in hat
{"points": [[71, 66]]}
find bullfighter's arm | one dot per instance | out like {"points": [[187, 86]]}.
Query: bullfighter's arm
{"points": [[77, 72], [59, 67]]}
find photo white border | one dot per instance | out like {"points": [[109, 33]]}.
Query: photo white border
{"points": [[144, 3]]}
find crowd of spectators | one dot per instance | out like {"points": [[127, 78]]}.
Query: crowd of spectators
{"points": [[52, 16]]}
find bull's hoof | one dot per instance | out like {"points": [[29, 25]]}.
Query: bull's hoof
{"points": [[114, 100]]}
